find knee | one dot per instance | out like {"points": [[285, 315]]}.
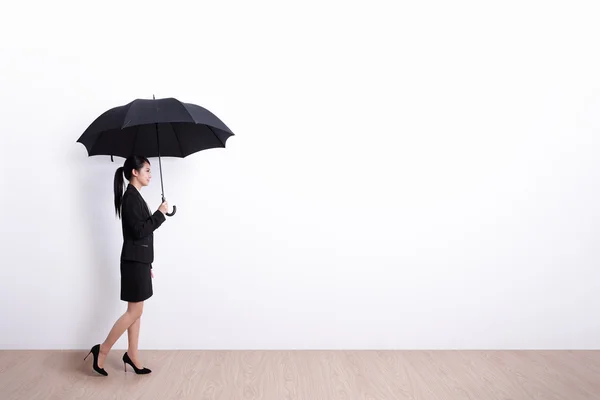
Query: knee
{"points": [[135, 312]]}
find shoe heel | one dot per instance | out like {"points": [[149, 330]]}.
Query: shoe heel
{"points": [[127, 360], [85, 358]]}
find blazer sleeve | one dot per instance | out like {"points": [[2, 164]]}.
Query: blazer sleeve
{"points": [[139, 225]]}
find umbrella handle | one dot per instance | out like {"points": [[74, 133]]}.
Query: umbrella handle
{"points": [[174, 208], [174, 211]]}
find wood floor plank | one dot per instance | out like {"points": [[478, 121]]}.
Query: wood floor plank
{"points": [[575, 371], [491, 381], [306, 375]]}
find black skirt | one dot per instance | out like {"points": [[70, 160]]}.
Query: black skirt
{"points": [[136, 281]]}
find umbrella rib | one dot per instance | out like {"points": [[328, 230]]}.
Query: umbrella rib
{"points": [[217, 136], [209, 127], [91, 152], [178, 140], [127, 113], [137, 131]]}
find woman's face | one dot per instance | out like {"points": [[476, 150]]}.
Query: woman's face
{"points": [[143, 175]]}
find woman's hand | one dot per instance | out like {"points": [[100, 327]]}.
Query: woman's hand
{"points": [[164, 208], [151, 274]]}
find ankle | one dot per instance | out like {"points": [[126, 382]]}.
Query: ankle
{"points": [[104, 349]]}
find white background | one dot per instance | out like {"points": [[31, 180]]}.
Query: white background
{"points": [[403, 175]]}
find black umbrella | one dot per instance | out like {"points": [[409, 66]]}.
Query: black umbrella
{"points": [[155, 128]]}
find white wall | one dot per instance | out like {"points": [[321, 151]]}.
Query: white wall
{"points": [[403, 175]]}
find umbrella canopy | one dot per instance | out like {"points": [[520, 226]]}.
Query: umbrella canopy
{"points": [[155, 128]]}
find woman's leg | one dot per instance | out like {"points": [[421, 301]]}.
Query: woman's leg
{"points": [[133, 313], [133, 337]]}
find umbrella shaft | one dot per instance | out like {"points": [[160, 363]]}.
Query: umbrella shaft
{"points": [[160, 164], [162, 188]]}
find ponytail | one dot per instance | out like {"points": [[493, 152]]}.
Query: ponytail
{"points": [[119, 183], [131, 163]]}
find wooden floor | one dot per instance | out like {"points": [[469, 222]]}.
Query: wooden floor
{"points": [[309, 375]]}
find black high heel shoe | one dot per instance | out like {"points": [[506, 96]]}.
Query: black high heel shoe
{"points": [[127, 360], [96, 351]]}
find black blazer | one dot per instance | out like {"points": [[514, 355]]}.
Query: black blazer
{"points": [[138, 226]]}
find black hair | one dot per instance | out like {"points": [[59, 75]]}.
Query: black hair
{"points": [[131, 163]]}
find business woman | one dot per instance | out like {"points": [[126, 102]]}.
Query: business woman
{"points": [[137, 255]]}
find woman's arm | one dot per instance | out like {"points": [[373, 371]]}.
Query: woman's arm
{"points": [[139, 225]]}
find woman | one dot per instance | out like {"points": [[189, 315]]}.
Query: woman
{"points": [[137, 255]]}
